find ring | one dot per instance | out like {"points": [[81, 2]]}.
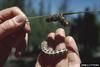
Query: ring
{"points": [[46, 50], [26, 20]]}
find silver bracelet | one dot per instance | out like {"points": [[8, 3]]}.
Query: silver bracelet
{"points": [[49, 51]]}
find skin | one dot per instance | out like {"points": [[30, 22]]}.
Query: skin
{"points": [[69, 59], [13, 29]]}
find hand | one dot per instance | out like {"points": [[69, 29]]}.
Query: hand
{"points": [[13, 29], [69, 59]]}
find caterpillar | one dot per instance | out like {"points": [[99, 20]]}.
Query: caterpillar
{"points": [[49, 51], [58, 17]]}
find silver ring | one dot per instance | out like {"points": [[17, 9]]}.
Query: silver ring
{"points": [[49, 51], [26, 20]]}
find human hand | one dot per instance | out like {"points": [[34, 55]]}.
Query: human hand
{"points": [[13, 29], [58, 41]]}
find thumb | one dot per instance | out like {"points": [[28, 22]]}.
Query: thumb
{"points": [[12, 25], [73, 55]]}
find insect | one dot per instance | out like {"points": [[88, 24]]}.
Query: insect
{"points": [[58, 17]]}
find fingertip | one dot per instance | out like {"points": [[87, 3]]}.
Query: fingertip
{"points": [[51, 38], [51, 35], [69, 39], [59, 35], [61, 32]]}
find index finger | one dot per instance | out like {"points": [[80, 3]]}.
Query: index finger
{"points": [[10, 13]]}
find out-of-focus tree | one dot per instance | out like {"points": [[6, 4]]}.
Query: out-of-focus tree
{"points": [[49, 6], [41, 11], [87, 34], [29, 10], [7, 3], [1, 4], [64, 5]]}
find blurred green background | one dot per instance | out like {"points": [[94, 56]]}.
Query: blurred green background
{"points": [[85, 27]]}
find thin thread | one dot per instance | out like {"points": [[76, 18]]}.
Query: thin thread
{"points": [[69, 13], [64, 13], [35, 17]]}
